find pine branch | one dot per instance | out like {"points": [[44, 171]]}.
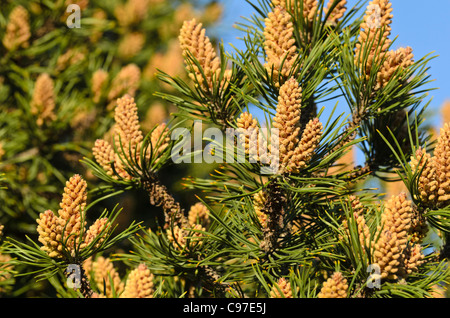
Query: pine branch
{"points": [[160, 196], [275, 211]]}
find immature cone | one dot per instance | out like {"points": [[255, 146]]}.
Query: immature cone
{"points": [[308, 143], [397, 217], [128, 138], [259, 203], [70, 57], [17, 30], [131, 44], [279, 44], [182, 237], [442, 155], [335, 287], [139, 283], [287, 120], [126, 82], [378, 18], [309, 7], [338, 11], [358, 211], [294, 152], [43, 100], [193, 41], [104, 155], [99, 79], [50, 229], [101, 271], [68, 226], [396, 226], [74, 197], [127, 131], [433, 182], [131, 12], [248, 130], [198, 214], [72, 208], [282, 289], [97, 232], [388, 254], [395, 60], [427, 183], [159, 139]]}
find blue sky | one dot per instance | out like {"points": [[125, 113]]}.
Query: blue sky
{"points": [[423, 25]]}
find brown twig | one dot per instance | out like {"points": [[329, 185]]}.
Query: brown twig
{"points": [[274, 209], [160, 196]]}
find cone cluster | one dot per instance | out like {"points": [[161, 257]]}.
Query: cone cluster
{"points": [[281, 289], [248, 130], [17, 33], [194, 41], [334, 287], [189, 234], [43, 100], [98, 83], [139, 283], [358, 210], [290, 148], [259, 203], [310, 8], [279, 44], [126, 82], [338, 11], [394, 251], [128, 139], [198, 214], [373, 45], [67, 228], [101, 271], [433, 180], [294, 150]]}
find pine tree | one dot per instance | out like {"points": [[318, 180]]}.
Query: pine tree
{"points": [[282, 214]]}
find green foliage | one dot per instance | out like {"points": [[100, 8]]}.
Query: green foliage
{"points": [[313, 228]]}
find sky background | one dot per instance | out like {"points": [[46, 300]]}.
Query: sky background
{"points": [[424, 26]]}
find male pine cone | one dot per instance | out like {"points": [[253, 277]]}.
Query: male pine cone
{"points": [[335, 287], [295, 147], [64, 231], [194, 42], [279, 45]]}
